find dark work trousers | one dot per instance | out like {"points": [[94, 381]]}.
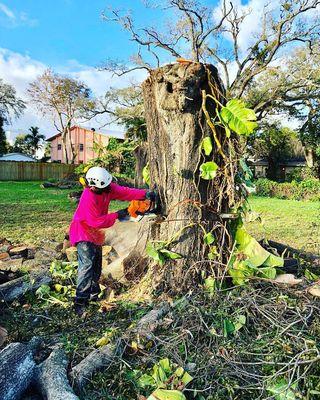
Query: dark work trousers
{"points": [[89, 271]]}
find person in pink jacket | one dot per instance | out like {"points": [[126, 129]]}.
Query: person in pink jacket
{"points": [[86, 227]]}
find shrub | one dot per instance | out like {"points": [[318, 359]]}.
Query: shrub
{"points": [[308, 189], [300, 174]]}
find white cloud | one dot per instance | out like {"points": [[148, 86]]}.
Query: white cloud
{"points": [[6, 10], [254, 11], [19, 70], [11, 19]]}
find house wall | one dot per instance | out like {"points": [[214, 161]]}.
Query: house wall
{"points": [[79, 136]]}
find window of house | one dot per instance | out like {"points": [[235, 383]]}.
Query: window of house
{"points": [[59, 146], [81, 147]]}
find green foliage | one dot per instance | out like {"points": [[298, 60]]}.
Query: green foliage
{"points": [[308, 189], [208, 170], [3, 139], [117, 157], [207, 145], [251, 259], [282, 390], [34, 139], [300, 174], [275, 144], [22, 145], [159, 253], [164, 379], [238, 118]]}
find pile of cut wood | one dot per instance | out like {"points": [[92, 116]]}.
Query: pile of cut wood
{"points": [[14, 283]]}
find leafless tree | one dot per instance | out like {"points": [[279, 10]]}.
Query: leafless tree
{"points": [[211, 35], [65, 99]]}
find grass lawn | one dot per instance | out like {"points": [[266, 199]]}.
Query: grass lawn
{"points": [[296, 223], [30, 214]]}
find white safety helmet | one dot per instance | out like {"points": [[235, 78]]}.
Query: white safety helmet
{"points": [[98, 177]]}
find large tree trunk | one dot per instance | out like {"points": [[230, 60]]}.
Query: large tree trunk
{"points": [[176, 123], [141, 155]]}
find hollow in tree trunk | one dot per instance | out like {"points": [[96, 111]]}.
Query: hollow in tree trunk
{"points": [[191, 206]]}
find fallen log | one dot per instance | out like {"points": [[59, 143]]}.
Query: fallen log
{"points": [[289, 251], [17, 369], [98, 359], [150, 321], [51, 377], [104, 356], [16, 288]]}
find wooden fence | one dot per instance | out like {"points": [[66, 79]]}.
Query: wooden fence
{"points": [[33, 171]]}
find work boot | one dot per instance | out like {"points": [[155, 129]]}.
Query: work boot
{"points": [[79, 309]]}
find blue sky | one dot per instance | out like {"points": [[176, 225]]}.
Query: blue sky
{"points": [[57, 31], [71, 37]]}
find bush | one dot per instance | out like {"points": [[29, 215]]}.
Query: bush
{"points": [[300, 174], [308, 189]]}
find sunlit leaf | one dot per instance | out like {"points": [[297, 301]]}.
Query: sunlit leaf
{"points": [[162, 394], [207, 145], [208, 238], [238, 118], [208, 170]]}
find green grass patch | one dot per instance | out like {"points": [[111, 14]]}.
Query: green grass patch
{"points": [[295, 223], [30, 214]]}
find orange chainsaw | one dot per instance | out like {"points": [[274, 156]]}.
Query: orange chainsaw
{"points": [[137, 208]]}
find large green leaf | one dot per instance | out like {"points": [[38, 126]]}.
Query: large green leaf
{"points": [[161, 394], [208, 170], [207, 145], [274, 261], [238, 118], [240, 271], [251, 248]]}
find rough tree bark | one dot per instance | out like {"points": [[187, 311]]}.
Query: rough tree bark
{"points": [[176, 125]]}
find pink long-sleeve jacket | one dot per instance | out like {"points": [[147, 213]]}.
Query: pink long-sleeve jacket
{"points": [[92, 213]]}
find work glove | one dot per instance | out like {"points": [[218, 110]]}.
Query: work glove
{"points": [[150, 195], [122, 214]]}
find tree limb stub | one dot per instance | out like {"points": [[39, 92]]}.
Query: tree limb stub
{"points": [[16, 288]]}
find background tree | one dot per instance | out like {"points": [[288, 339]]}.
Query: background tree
{"points": [[125, 107], [10, 105], [34, 139], [3, 139], [276, 144], [22, 145], [211, 34], [293, 89], [66, 99]]}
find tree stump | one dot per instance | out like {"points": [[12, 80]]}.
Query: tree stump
{"points": [[191, 206]]}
